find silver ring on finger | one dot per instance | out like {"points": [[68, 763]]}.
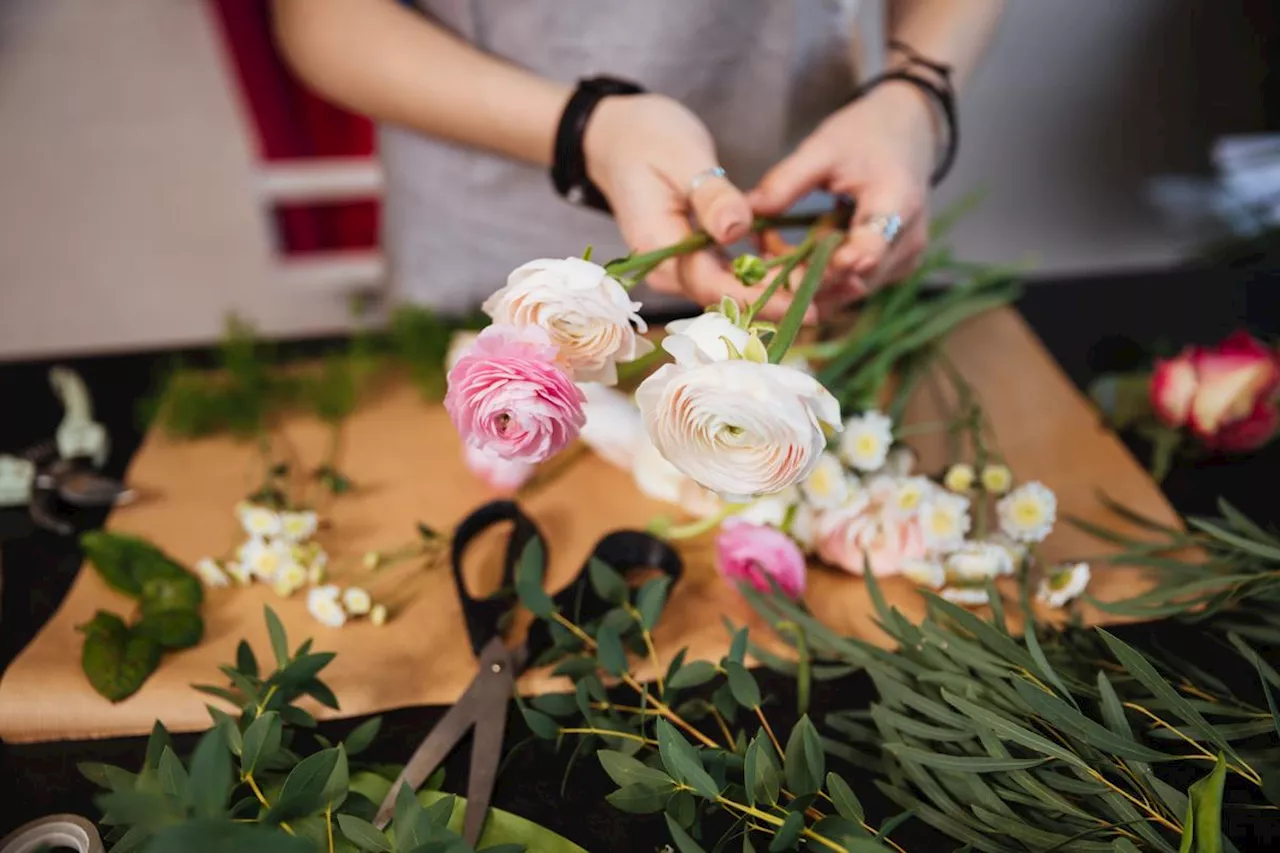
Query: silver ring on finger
{"points": [[704, 176], [887, 225]]}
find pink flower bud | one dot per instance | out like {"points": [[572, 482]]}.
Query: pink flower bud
{"points": [[755, 553]]}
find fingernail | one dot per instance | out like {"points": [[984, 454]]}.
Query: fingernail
{"points": [[730, 226]]}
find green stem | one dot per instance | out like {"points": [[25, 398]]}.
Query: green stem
{"points": [[702, 525], [817, 268], [789, 262]]}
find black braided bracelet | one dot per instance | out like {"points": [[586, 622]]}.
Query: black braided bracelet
{"points": [[569, 163], [941, 93]]}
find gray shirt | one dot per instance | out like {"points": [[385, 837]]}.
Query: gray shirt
{"points": [[760, 74]]}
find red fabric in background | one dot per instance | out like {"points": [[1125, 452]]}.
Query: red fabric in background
{"points": [[292, 123]]}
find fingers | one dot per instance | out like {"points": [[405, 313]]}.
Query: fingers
{"points": [[803, 171], [706, 280], [720, 207], [904, 257], [649, 218], [867, 245]]}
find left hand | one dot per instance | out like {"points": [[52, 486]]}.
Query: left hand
{"points": [[879, 150]]}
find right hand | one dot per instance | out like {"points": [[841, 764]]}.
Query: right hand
{"points": [[643, 151]]}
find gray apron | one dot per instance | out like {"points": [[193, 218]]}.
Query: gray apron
{"points": [[760, 74]]}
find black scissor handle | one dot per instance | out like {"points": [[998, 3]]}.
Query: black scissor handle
{"points": [[484, 615]]}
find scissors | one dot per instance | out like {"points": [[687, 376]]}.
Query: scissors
{"points": [[483, 706]]}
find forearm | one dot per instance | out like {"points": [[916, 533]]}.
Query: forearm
{"points": [[378, 58], [954, 32]]}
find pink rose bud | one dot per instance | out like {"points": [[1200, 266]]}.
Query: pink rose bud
{"points": [[508, 396], [503, 476], [1173, 385], [755, 553]]}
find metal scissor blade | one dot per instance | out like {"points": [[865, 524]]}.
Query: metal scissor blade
{"points": [[486, 755], [470, 709]]}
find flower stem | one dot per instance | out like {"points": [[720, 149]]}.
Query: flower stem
{"points": [[648, 644], [702, 525], [789, 262], [791, 321], [764, 721], [328, 824], [257, 792], [609, 733]]}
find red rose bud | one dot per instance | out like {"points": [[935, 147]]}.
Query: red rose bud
{"points": [[1225, 394]]}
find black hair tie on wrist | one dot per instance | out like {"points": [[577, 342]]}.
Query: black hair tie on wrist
{"points": [[941, 93], [569, 163]]}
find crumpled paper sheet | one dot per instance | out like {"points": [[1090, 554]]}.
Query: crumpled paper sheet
{"points": [[405, 459]]}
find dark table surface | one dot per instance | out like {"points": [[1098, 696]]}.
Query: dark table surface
{"points": [[1091, 325]]}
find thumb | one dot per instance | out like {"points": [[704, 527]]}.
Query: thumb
{"points": [[792, 178], [721, 209]]}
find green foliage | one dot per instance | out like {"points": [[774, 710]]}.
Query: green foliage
{"points": [[248, 787], [1061, 739], [118, 658], [646, 748]]}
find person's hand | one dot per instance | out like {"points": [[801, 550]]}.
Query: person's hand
{"points": [[644, 152], [879, 150]]}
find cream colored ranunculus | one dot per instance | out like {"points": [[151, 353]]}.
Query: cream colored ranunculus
{"points": [[662, 481], [586, 312], [701, 339], [739, 428], [613, 428]]}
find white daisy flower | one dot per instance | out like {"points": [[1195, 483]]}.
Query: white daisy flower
{"points": [[210, 573], [997, 479], [969, 596], [803, 526], [323, 604], [1016, 550], [901, 461], [1028, 512], [316, 573], [356, 601], [290, 578], [298, 526], [927, 573], [770, 510], [826, 487], [866, 441], [259, 522], [959, 478], [378, 615], [907, 498], [265, 558], [371, 560], [1063, 585], [944, 521], [239, 572], [977, 561]]}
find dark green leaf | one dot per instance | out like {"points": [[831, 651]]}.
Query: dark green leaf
{"points": [[318, 690], [439, 812], [404, 823], [575, 667], [743, 684], [108, 776], [625, 770], [684, 842], [156, 743], [539, 723], [279, 639], [304, 668], [682, 762], [261, 740], [724, 702], [231, 734], [1006, 729], [1202, 828], [842, 797], [638, 799], [1141, 669], [335, 789], [682, 807], [555, 704], [1075, 723], [362, 736], [738, 646], [651, 599], [760, 771], [804, 763], [171, 629], [606, 582], [363, 834], [211, 778], [692, 674], [610, 653], [172, 775], [960, 763], [304, 788], [504, 848], [116, 661], [789, 326], [529, 578], [215, 835], [246, 662], [788, 835]]}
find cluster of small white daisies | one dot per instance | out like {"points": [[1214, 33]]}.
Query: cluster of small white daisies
{"points": [[279, 552], [862, 507]]}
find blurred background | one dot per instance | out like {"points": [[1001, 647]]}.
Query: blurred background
{"points": [[160, 169]]}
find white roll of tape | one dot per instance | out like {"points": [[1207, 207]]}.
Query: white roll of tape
{"points": [[56, 832]]}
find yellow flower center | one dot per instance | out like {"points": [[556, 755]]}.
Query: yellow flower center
{"points": [[1028, 513]]}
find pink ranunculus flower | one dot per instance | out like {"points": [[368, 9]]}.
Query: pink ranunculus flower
{"points": [[755, 553], [1225, 394], [861, 534], [509, 396], [504, 476]]}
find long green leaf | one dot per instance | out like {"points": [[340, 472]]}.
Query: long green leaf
{"points": [[1202, 828], [1063, 716], [789, 327], [1006, 729], [961, 763]]}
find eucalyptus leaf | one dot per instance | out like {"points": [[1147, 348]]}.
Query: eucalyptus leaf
{"points": [[172, 775], [651, 599], [610, 652], [1202, 827], [638, 799], [760, 772], [681, 760], [363, 834], [625, 770], [743, 684], [692, 674], [279, 639], [211, 776], [804, 762], [261, 740], [606, 582], [304, 787], [529, 577], [683, 841], [788, 835], [362, 736], [842, 797]]}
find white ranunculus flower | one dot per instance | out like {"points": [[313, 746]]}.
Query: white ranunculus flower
{"points": [[770, 510], [739, 428], [613, 428], [662, 481], [586, 312], [701, 339]]}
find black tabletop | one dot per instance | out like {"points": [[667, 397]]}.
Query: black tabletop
{"points": [[1091, 325]]}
